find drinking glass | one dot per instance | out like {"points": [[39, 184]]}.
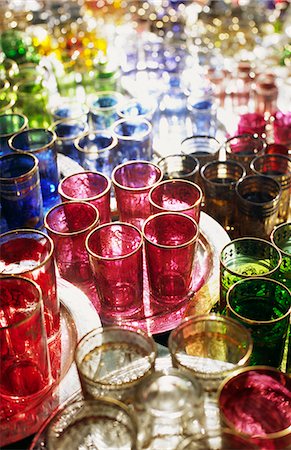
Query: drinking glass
{"points": [[93, 187], [29, 253], [176, 195], [257, 204], [67, 131], [279, 168], [116, 259], [243, 148], [255, 402], [25, 375], [281, 238], [134, 138], [68, 224], [281, 124], [263, 306], [9, 125], [247, 257], [98, 151], [219, 181], [203, 147], [183, 167], [113, 360], [203, 115], [132, 182], [170, 245], [20, 192], [41, 143], [32, 101], [138, 107], [101, 423], [69, 108], [103, 109], [252, 123]]}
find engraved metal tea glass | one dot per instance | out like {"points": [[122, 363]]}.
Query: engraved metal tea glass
{"points": [[93, 187], [20, 192], [25, 375], [247, 257], [263, 306], [279, 168], [41, 143], [103, 423], [98, 151], [113, 360], [243, 148], [183, 167], [9, 125], [134, 138], [176, 195], [116, 259], [281, 238], [255, 402], [257, 205], [29, 253], [67, 131]]}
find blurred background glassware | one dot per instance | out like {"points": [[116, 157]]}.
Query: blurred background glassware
{"points": [[69, 108], [204, 148], [243, 148], [32, 72], [221, 439], [247, 257], [257, 205], [9, 125], [280, 149], [102, 423], [142, 107], [263, 306], [113, 360], [67, 131], [281, 238], [25, 367], [134, 138], [176, 195], [255, 402], [8, 68], [282, 127], [169, 406], [20, 192], [252, 123], [219, 181], [93, 187], [132, 182], [41, 143], [209, 348], [7, 104], [116, 258], [32, 100], [170, 241], [29, 253], [103, 109], [203, 115], [265, 94], [279, 168], [68, 224], [98, 151], [184, 167]]}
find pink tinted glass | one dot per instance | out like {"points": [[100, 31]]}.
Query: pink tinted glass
{"points": [[176, 195], [170, 243], [115, 255], [93, 187]]}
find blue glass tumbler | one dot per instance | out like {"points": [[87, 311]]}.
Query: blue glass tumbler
{"points": [[103, 109], [203, 116], [67, 131], [41, 142], [9, 125], [134, 139], [20, 192]]}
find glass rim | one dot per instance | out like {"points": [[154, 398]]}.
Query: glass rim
{"points": [[113, 258], [260, 178], [176, 181], [271, 156], [136, 121], [253, 321], [135, 162], [32, 130], [135, 101], [87, 199], [71, 233], [231, 163], [253, 137], [67, 101], [171, 247], [230, 378], [253, 239], [23, 126], [103, 94], [5, 84], [273, 234], [147, 337], [27, 231], [8, 105], [96, 132], [211, 318], [201, 136], [67, 121], [27, 174]]}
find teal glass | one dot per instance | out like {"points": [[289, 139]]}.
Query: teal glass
{"points": [[281, 238], [10, 124], [263, 306], [32, 101]]}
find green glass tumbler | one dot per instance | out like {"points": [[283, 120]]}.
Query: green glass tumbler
{"points": [[245, 258], [263, 306], [32, 101], [281, 238]]}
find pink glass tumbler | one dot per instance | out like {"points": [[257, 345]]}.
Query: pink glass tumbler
{"points": [[170, 245], [116, 258], [68, 224], [93, 187], [132, 182]]}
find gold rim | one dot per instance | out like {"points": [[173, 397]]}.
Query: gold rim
{"points": [[95, 197], [25, 123], [119, 97], [273, 237], [136, 120], [68, 121], [36, 150], [96, 133], [136, 162], [26, 176], [176, 181]]}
